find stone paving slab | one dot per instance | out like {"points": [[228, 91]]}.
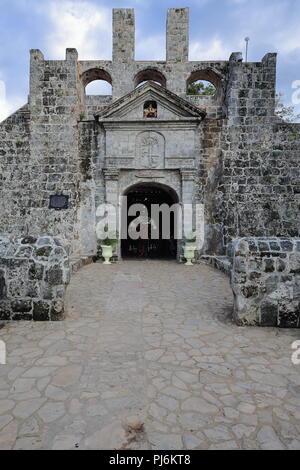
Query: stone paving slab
{"points": [[148, 358]]}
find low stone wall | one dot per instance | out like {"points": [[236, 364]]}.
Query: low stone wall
{"points": [[34, 273], [266, 282], [221, 263]]}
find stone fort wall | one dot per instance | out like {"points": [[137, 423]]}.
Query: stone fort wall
{"points": [[248, 167], [246, 173], [266, 282], [34, 273]]}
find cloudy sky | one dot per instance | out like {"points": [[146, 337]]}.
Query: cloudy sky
{"points": [[217, 28]]}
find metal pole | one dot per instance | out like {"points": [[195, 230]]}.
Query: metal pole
{"points": [[247, 43]]}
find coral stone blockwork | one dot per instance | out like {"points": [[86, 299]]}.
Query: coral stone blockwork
{"points": [[34, 273], [266, 282], [228, 153]]}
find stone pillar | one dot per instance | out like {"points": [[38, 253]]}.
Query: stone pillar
{"points": [[177, 46], [178, 35], [111, 177], [123, 51], [188, 186], [71, 54], [190, 210], [123, 34], [188, 183]]}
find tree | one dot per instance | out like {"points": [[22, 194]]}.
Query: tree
{"points": [[201, 88], [286, 113]]}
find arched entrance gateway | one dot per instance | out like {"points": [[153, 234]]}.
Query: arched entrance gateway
{"points": [[151, 157], [150, 221]]}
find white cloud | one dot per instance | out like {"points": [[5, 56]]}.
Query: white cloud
{"points": [[82, 25], [288, 42], [215, 49], [154, 48], [272, 23], [151, 48], [8, 106]]}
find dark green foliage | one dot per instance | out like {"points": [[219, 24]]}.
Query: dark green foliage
{"points": [[201, 88]]}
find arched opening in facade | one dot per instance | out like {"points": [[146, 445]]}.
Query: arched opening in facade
{"points": [[152, 75], [150, 222], [202, 88], [204, 83], [98, 87], [97, 82]]}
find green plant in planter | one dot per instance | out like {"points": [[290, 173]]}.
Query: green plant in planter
{"points": [[106, 246], [191, 238], [108, 241]]}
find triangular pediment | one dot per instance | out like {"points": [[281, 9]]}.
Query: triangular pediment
{"points": [[170, 105]]}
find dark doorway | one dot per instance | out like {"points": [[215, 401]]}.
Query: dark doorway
{"points": [[148, 195]]}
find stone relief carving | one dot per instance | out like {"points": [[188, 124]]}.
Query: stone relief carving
{"points": [[150, 150]]}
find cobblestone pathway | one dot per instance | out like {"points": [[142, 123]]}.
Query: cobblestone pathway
{"points": [[148, 358]]}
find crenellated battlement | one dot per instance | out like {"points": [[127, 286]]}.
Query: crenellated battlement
{"points": [[175, 73], [227, 150]]}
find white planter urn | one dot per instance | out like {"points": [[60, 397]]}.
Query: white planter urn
{"points": [[189, 253], [106, 253]]}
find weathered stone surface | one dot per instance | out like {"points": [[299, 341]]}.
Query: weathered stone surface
{"points": [[41, 311], [232, 155], [54, 276], [85, 383], [36, 271], [21, 306], [268, 439], [31, 289], [244, 158], [2, 284], [268, 296]]}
